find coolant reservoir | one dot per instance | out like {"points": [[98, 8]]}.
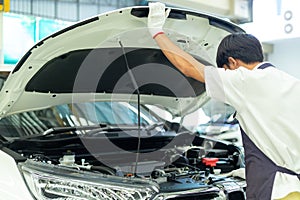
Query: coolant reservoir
{"points": [[67, 159]]}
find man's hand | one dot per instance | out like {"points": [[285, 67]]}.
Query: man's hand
{"points": [[156, 18], [237, 173]]}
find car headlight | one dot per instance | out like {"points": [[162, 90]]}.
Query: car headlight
{"points": [[49, 182]]}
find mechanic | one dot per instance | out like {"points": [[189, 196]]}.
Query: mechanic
{"points": [[265, 98]]}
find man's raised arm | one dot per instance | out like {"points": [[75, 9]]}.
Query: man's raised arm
{"points": [[182, 60]]}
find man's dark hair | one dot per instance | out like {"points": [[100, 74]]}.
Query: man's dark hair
{"points": [[242, 46]]}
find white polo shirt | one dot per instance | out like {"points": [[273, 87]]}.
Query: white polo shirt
{"points": [[267, 102]]}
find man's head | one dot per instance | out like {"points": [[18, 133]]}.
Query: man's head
{"points": [[239, 47]]}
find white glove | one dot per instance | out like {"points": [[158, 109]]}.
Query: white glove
{"points": [[156, 18], [237, 173]]}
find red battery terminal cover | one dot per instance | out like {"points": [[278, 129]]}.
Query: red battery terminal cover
{"points": [[211, 162]]}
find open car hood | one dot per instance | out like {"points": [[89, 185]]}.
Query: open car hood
{"points": [[112, 57]]}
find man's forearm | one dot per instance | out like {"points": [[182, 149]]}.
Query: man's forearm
{"points": [[183, 61]]}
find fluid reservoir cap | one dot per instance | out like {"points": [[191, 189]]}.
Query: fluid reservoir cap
{"points": [[211, 162]]}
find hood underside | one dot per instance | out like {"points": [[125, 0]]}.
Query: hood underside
{"points": [[112, 57]]}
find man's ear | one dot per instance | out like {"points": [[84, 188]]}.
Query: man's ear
{"points": [[232, 63]]}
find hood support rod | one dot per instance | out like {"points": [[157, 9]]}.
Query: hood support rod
{"points": [[136, 87]]}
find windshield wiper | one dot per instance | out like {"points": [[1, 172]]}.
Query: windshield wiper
{"points": [[57, 130], [113, 128]]}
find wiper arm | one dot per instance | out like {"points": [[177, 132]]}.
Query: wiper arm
{"points": [[153, 126]]}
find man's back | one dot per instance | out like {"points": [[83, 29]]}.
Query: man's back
{"points": [[270, 114], [267, 104]]}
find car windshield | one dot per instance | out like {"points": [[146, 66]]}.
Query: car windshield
{"points": [[75, 115]]}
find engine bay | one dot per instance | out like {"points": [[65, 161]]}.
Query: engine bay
{"points": [[179, 170]]}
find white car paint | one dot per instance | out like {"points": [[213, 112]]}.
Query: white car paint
{"points": [[12, 183]]}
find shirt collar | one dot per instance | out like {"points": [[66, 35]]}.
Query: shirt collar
{"points": [[258, 65]]}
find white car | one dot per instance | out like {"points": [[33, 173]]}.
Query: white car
{"points": [[75, 121]]}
